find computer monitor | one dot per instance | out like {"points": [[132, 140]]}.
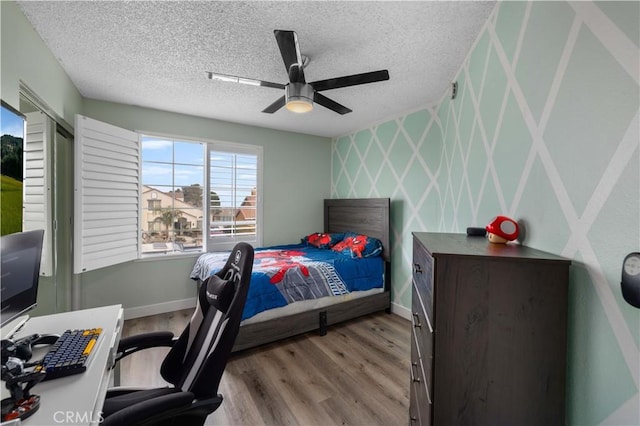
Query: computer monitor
{"points": [[19, 273]]}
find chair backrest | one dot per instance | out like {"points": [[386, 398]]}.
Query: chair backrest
{"points": [[197, 360]]}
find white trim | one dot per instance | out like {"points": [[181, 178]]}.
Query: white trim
{"points": [[151, 257], [159, 308], [401, 311]]}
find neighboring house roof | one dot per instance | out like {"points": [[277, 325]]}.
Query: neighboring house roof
{"points": [[189, 210], [249, 201]]}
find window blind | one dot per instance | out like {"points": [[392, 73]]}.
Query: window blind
{"points": [[107, 183]]}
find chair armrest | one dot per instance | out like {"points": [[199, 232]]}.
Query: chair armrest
{"points": [[151, 411], [123, 390], [138, 342]]}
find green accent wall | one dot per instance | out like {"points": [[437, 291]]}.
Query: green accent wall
{"points": [[544, 129]]}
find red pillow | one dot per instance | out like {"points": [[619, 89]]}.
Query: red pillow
{"points": [[358, 246], [322, 240]]}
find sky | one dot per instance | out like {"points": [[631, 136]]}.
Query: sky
{"points": [[11, 124], [169, 164]]}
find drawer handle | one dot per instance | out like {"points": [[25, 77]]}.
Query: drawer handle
{"points": [[417, 268], [416, 320], [415, 377], [414, 419]]}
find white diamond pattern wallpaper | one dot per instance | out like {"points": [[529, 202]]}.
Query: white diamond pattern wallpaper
{"points": [[544, 129]]}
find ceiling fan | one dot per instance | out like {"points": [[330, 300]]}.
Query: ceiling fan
{"points": [[299, 96]]}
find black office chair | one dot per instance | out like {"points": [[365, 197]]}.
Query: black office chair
{"points": [[197, 359]]}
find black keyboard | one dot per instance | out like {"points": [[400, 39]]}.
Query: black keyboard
{"points": [[71, 354]]}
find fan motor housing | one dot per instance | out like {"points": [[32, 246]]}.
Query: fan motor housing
{"points": [[299, 92]]}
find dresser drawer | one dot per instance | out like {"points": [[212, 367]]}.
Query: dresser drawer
{"points": [[422, 350], [421, 324], [420, 388], [423, 276], [414, 413]]}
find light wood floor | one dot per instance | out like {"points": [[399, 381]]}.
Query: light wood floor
{"points": [[358, 374]]}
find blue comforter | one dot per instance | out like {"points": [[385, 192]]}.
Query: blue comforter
{"points": [[289, 273]]}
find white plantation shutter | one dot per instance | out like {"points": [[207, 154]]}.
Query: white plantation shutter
{"points": [[107, 182], [36, 185]]}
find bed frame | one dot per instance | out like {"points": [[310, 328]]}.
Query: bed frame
{"points": [[368, 216]]}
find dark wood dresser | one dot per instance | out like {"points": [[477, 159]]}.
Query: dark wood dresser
{"points": [[489, 333]]}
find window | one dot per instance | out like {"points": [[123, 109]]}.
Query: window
{"points": [[233, 196], [172, 191], [147, 195], [12, 129]]}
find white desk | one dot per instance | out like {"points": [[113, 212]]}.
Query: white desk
{"points": [[75, 399]]}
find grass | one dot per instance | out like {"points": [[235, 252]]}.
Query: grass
{"points": [[10, 205]]}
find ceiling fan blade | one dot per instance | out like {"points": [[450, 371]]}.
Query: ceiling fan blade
{"points": [[290, 51], [351, 80], [275, 106], [242, 80], [329, 103]]}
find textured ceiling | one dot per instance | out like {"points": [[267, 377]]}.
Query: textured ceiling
{"points": [[155, 54]]}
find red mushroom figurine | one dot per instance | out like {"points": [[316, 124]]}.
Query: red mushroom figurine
{"points": [[502, 229]]}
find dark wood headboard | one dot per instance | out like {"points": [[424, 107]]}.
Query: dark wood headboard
{"points": [[367, 216]]}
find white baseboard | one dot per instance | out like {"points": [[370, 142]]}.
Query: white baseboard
{"points": [[401, 311], [159, 308]]}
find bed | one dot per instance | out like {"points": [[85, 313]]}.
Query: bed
{"points": [[278, 308]]}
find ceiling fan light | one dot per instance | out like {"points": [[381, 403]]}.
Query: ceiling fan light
{"points": [[299, 97], [299, 106]]}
